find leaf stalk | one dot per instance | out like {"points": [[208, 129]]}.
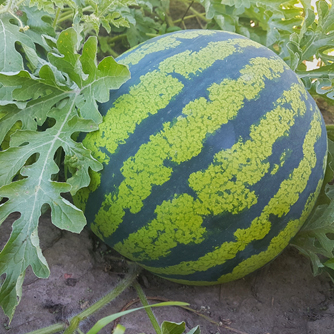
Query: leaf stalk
{"points": [[74, 323], [143, 299]]}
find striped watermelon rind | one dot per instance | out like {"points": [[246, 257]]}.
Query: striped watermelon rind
{"points": [[214, 155]]}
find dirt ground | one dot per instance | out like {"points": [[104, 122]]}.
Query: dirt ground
{"points": [[281, 298]]}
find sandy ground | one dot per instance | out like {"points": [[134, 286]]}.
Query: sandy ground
{"points": [[281, 298]]}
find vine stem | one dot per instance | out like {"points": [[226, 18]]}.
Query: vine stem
{"points": [[143, 299], [68, 14], [55, 21], [199, 15], [190, 17], [116, 38], [56, 328], [125, 283], [9, 7], [111, 41], [75, 321], [185, 13]]}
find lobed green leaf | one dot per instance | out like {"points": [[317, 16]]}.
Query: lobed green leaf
{"points": [[10, 34], [59, 100]]}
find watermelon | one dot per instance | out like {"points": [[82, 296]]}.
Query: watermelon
{"points": [[214, 155]]}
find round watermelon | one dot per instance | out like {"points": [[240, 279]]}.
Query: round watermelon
{"points": [[214, 155]]}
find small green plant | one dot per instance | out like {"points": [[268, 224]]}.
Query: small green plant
{"points": [[6, 326], [72, 326]]}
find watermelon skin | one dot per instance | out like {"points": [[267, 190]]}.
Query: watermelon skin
{"points": [[214, 155]]}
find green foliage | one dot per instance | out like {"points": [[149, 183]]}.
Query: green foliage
{"points": [[295, 30], [177, 328], [51, 98], [291, 28]]}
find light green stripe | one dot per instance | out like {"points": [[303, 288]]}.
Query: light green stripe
{"points": [[153, 93], [286, 153], [164, 43], [223, 187], [279, 205], [277, 244], [190, 62], [183, 140]]}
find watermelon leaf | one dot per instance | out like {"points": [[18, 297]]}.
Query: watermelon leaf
{"points": [[61, 96], [168, 327], [108, 13], [119, 329], [10, 58]]}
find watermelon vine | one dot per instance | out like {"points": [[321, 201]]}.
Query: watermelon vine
{"points": [[52, 77]]}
